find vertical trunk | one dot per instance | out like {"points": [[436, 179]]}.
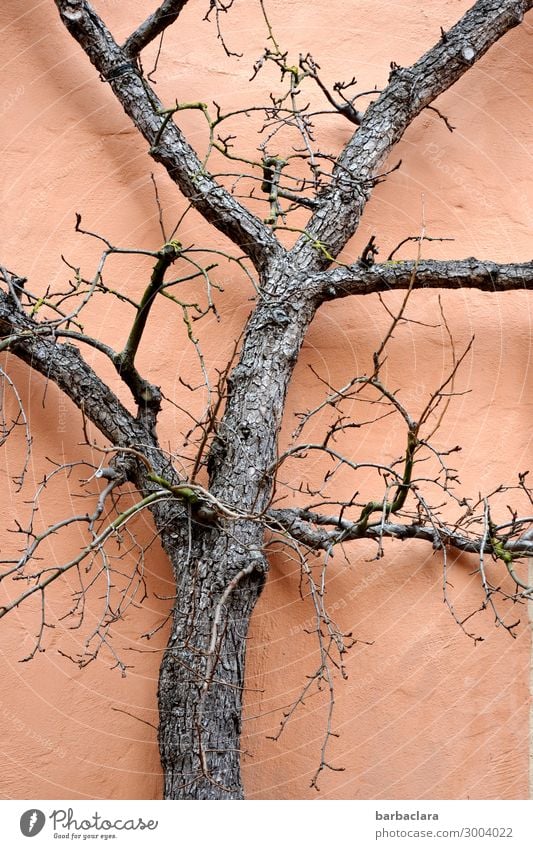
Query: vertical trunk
{"points": [[202, 672], [220, 570]]}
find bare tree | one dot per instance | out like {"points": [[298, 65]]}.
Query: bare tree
{"points": [[215, 504]]}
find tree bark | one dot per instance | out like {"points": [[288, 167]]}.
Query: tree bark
{"points": [[219, 565], [220, 571], [202, 673], [409, 91], [485, 276]]}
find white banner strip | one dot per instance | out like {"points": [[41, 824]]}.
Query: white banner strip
{"points": [[268, 824]]}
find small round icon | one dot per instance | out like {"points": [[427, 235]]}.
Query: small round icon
{"points": [[32, 822]]}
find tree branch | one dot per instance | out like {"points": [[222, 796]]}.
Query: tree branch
{"points": [[410, 90], [305, 526], [37, 346], [429, 274], [153, 26], [167, 144]]}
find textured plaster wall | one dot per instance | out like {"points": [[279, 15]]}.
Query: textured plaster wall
{"points": [[423, 713]]}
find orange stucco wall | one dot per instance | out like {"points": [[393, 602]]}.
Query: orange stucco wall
{"points": [[423, 713]]}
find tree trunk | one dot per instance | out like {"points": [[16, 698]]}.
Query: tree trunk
{"points": [[220, 570], [202, 672]]}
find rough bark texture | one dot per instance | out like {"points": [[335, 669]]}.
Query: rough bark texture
{"points": [[200, 707], [153, 26], [428, 274], [202, 673], [167, 144], [306, 525]]}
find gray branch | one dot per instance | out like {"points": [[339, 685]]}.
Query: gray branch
{"points": [[35, 344], [410, 90], [308, 528], [63, 364], [468, 273], [167, 144]]}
